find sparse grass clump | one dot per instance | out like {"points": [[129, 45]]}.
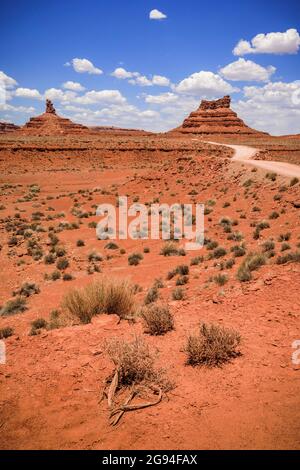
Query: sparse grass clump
{"points": [[55, 275], [197, 260], [27, 289], [273, 215], [252, 262], [229, 263], [235, 236], [60, 251], [157, 319], [285, 246], [158, 283], [271, 176], [171, 249], [178, 293], [182, 269], [110, 296], [94, 256], [224, 221], [221, 279], [294, 181], [238, 250], [62, 264], [39, 323], [134, 259], [213, 346], [6, 332], [111, 246], [284, 237], [212, 245], [80, 243], [152, 295], [218, 253], [182, 280], [268, 246], [14, 306], [289, 257], [263, 225], [49, 258]]}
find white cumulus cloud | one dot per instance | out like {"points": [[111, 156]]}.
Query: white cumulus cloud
{"points": [[141, 81], [280, 93], [162, 98], [274, 108], [73, 86], [17, 109], [287, 42], [247, 70], [85, 66], [7, 81], [56, 94], [136, 78], [122, 74], [204, 84], [28, 93], [157, 15], [160, 80], [102, 96]]}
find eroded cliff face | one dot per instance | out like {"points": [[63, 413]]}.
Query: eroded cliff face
{"points": [[215, 117], [8, 127]]}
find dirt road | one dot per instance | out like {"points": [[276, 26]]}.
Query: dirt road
{"points": [[245, 154]]}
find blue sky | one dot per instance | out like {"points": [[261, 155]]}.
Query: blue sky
{"points": [[165, 65]]}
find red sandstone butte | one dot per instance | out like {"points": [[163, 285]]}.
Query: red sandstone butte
{"points": [[215, 117]]}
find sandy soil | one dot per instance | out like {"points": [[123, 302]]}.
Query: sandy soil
{"points": [[51, 384]]}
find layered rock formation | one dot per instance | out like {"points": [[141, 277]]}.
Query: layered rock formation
{"points": [[8, 127], [116, 131], [215, 117], [49, 123]]}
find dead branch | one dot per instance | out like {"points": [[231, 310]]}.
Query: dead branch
{"points": [[112, 389], [119, 414], [139, 406]]}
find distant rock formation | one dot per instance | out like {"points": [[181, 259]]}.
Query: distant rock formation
{"points": [[8, 127], [49, 107], [215, 117], [112, 130], [49, 123]]}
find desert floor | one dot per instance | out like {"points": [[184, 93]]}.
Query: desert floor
{"points": [[51, 384]]}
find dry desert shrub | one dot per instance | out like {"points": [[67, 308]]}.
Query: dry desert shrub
{"points": [[294, 181], [103, 296], [134, 259], [27, 289], [178, 293], [14, 306], [6, 332], [158, 319], [213, 346], [135, 363], [221, 279], [252, 262], [289, 257], [152, 295], [170, 248]]}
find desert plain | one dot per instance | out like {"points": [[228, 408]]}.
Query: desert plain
{"points": [[246, 279]]}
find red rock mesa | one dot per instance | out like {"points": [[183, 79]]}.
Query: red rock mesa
{"points": [[215, 117]]}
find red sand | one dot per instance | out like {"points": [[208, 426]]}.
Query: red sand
{"points": [[51, 384]]}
